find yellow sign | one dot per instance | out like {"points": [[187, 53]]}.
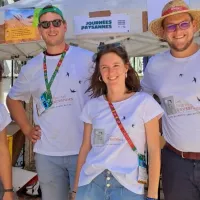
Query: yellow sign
{"points": [[20, 34], [19, 26]]}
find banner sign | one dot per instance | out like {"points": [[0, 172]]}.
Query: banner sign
{"points": [[116, 23], [35, 16], [19, 26]]}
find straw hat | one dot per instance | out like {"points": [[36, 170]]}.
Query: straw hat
{"points": [[173, 8]]}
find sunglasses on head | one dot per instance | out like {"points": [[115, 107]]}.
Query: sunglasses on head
{"points": [[103, 46], [55, 23], [182, 25]]}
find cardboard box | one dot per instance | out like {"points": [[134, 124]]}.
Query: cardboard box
{"points": [[10, 144], [16, 141]]}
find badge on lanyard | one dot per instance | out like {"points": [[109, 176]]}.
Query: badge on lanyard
{"points": [[98, 138], [44, 103], [46, 100], [142, 169]]}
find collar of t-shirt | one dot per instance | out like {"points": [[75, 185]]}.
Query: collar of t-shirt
{"points": [[49, 54], [182, 60]]}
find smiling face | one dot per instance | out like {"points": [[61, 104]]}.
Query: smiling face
{"points": [[53, 36], [113, 70], [179, 40]]}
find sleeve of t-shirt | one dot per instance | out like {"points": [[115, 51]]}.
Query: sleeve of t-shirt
{"points": [[151, 109], [4, 117], [85, 115], [21, 88], [146, 83]]}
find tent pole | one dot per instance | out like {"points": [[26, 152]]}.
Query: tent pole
{"points": [[12, 73]]}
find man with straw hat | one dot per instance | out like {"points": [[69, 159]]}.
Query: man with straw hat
{"points": [[174, 76]]}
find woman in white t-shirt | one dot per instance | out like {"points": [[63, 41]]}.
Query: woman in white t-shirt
{"points": [[5, 161], [108, 168]]}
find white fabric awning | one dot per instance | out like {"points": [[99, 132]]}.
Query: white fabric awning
{"points": [[137, 42]]}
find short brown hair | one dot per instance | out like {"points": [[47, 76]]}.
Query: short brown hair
{"points": [[97, 87]]}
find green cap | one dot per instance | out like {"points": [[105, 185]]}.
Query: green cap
{"points": [[50, 9]]}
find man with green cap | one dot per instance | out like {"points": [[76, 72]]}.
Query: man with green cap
{"points": [[56, 79]]}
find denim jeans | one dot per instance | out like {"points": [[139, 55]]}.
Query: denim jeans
{"points": [[180, 177], [106, 187], [56, 174], [1, 190]]}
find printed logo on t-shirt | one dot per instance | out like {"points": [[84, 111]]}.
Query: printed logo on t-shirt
{"points": [[115, 140], [175, 107], [62, 101]]}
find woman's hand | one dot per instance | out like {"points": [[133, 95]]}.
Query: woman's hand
{"points": [[72, 196]]}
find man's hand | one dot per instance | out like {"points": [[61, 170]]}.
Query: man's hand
{"points": [[34, 134], [8, 196]]}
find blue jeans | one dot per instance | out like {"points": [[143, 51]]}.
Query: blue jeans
{"points": [[56, 174], [1, 190], [106, 187]]}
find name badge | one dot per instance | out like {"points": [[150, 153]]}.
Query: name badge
{"points": [[44, 103], [46, 99], [99, 137], [142, 170]]}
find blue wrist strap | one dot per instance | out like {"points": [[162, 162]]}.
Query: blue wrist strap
{"points": [[148, 198]]}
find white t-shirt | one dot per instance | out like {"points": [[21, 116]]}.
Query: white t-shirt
{"points": [[176, 81], [4, 117], [61, 127], [110, 150]]}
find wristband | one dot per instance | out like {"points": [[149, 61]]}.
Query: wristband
{"points": [[74, 192], [148, 198], [8, 190]]}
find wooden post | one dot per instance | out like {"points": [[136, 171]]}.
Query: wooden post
{"points": [[29, 155], [145, 21]]}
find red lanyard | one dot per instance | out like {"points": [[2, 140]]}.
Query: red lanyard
{"points": [[121, 127]]}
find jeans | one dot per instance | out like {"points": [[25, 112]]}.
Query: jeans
{"points": [[180, 177], [56, 174], [1, 190], [106, 187]]}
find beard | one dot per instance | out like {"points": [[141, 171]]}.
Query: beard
{"points": [[186, 46]]}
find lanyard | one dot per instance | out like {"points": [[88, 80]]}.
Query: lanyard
{"points": [[48, 84], [121, 127]]}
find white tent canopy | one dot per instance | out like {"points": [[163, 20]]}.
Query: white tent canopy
{"points": [[137, 42]]}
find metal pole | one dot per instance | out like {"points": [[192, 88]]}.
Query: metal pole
{"points": [[12, 73]]}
